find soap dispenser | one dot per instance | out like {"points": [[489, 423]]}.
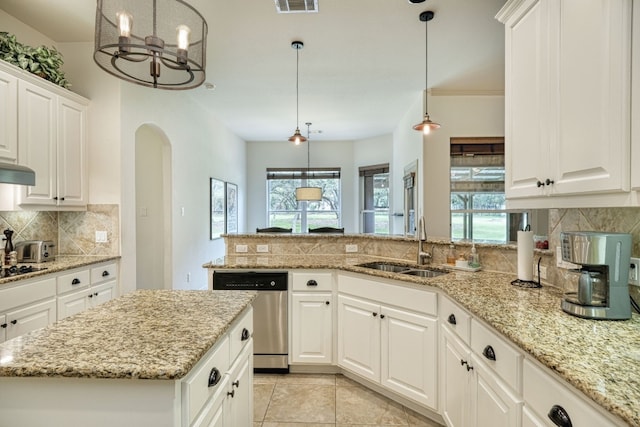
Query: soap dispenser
{"points": [[451, 255], [474, 258]]}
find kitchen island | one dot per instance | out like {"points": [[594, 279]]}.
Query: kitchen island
{"points": [[135, 360], [597, 357]]}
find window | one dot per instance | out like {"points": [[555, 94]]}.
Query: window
{"points": [[284, 211], [374, 187], [478, 210]]}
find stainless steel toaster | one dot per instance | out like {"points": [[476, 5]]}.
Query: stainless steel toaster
{"points": [[35, 251]]}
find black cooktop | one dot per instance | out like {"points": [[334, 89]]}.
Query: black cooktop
{"points": [[18, 270]]}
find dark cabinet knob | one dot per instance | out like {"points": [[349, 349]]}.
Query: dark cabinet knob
{"points": [[375, 314], [489, 353], [469, 368], [90, 295], [539, 184], [548, 181], [559, 416], [231, 393], [245, 334], [55, 198], [312, 283], [62, 198], [214, 377], [236, 383], [105, 273], [327, 302], [95, 294], [463, 362], [4, 325], [382, 316], [75, 281], [14, 321], [452, 319]]}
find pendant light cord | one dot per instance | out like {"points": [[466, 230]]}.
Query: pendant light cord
{"points": [[426, 66], [297, 91]]}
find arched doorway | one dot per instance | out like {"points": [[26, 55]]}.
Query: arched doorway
{"points": [[153, 208]]}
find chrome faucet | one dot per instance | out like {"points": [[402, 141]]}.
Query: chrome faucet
{"points": [[423, 256]]}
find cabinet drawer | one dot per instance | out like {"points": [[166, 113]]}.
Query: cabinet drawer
{"points": [[240, 334], [205, 380], [26, 293], [499, 356], [542, 392], [103, 273], [78, 279], [455, 318], [312, 281]]}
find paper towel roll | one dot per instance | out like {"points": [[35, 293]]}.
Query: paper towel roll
{"points": [[525, 255]]}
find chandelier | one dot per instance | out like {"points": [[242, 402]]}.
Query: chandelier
{"points": [[155, 43]]}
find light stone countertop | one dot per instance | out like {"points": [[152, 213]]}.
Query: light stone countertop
{"points": [[598, 357], [146, 334], [61, 263]]}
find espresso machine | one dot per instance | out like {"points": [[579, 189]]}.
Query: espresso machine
{"points": [[600, 287]]}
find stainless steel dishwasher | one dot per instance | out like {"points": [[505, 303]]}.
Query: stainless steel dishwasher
{"points": [[270, 331]]}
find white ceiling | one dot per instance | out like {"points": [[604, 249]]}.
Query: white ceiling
{"points": [[361, 69]]}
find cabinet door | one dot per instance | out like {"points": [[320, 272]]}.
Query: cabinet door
{"points": [[8, 117], [240, 395], [30, 318], [493, 403], [526, 83], [73, 303], [72, 158], [37, 132], [409, 355], [311, 328], [593, 63], [102, 293], [359, 336], [455, 381]]}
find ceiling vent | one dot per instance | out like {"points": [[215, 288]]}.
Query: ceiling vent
{"points": [[297, 6]]}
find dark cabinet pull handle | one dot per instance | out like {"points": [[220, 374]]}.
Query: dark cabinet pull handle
{"points": [[14, 321], [469, 368], [489, 353], [327, 302], [214, 377], [559, 416], [75, 281], [382, 316], [539, 184], [90, 295], [548, 181], [312, 283], [231, 393], [452, 319], [236, 383], [4, 325], [105, 273], [375, 314], [463, 362], [245, 334]]}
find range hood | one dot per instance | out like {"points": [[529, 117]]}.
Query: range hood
{"points": [[16, 174]]}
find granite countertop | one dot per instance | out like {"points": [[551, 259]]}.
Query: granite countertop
{"points": [[61, 263], [598, 357], [147, 334]]}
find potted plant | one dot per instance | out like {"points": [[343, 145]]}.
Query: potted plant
{"points": [[42, 61]]}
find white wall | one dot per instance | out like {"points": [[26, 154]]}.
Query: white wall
{"points": [[459, 116], [24, 34], [283, 154]]}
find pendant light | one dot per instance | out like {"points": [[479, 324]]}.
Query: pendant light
{"points": [[426, 126], [297, 138], [308, 194], [155, 43]]}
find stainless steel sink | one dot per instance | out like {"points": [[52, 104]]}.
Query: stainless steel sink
{"points": [[424, 273], [385, 266]]}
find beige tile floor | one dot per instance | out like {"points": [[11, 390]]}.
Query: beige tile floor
{"points": [[322, 400]]}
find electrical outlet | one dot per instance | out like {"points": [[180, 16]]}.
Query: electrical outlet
{"points": [[262, 248], [188, 277], [351, 248], [543, 272], [101, 237], [242, 248], [634, 272]]}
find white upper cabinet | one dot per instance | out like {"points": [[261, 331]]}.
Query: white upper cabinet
{"points": [[568, 108], [8, 117], [44, 127]]}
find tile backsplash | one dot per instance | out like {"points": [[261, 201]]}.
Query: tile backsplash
{"points": [[73, 232]]}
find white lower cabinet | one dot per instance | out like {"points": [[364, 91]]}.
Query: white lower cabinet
{"points": [[311, 323], [239, 403], [30, 318], [455, 380], [386, 342], [85, 288]]}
